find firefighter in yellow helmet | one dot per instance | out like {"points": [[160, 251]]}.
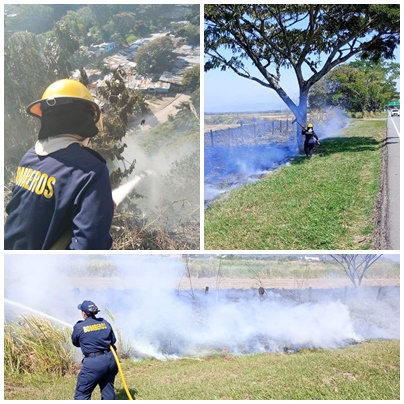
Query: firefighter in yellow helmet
{"points": [[61, 196], [311, 140]]}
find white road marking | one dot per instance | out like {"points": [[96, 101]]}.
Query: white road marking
{"points": [[395, 127]]}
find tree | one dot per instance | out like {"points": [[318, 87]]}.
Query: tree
{"points": [[120, 104], [31, 64], [190, 32], [191, 79], [124, 23], [355, 265], [24, 82], [360, 86], [196, 102], [155, 57], [311, 39]]}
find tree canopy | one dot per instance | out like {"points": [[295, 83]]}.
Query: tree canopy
{"points": [[256, 41], [155, 57], [360, 86]]}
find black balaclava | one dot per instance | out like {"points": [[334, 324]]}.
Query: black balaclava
{"points": [[74, 119]]}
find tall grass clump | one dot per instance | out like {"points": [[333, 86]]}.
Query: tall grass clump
{"points": [[36, 345]]}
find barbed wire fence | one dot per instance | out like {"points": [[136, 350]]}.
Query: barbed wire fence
{"points": [[264, 131]]}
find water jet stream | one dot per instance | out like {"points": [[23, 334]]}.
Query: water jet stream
{"points": [[120, 193], [40, 313]]}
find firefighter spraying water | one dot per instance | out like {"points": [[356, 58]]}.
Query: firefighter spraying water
{"points": [[62, 197], [61, 184], [311, 138], [96, 339]]}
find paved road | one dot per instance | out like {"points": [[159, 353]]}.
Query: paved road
{"points": [[393, 183]]}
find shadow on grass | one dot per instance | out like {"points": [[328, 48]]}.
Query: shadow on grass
{"points": [[333, 145], [120, 394]]}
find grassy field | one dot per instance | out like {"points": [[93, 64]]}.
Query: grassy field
{"points": [[281, 268], [367, 371], [325, 203]]}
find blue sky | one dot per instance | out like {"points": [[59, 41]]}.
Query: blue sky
{"points": [[227, 92]]}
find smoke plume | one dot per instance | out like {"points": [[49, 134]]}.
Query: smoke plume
{"points": [[157, 319]]}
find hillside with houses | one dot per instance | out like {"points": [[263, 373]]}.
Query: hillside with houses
{"points": [[113, 57]]}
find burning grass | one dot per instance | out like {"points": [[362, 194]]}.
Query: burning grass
{"points": [[326, 203], [368, 371]]}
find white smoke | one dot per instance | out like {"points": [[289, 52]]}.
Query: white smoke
{"points": [[157, 319], [332, 123]]}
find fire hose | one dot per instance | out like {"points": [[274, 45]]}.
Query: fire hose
{"points": [[295, 120], [121, 373]]}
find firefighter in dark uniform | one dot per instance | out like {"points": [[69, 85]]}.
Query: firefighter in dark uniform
{"points": [[94, 336], [62, 190], [310, 141]]}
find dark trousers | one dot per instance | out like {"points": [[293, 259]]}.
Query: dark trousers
{"points": [[99, 370], [308, 147]]}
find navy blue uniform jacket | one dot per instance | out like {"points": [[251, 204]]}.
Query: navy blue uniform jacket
{"points": [[310, 135], [68, 189], [93, 335]]}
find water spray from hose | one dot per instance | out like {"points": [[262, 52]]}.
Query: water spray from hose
{"points": [[39, 313], [120, 193]]}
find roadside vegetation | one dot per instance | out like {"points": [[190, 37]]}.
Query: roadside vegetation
{"points": [[368, 371], [326, 203], [36, 346]]}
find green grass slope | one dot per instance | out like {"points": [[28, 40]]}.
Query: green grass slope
{"points": [[368, 371], [325, 203]]}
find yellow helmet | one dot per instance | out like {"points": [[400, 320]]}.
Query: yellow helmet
{"points": [[309, 125], [64, 92]]}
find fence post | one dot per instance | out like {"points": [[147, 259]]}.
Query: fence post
{"points": [[211, 138]]}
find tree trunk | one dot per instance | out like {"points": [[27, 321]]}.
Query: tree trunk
{"points": [[299, 111], [301, 117]]}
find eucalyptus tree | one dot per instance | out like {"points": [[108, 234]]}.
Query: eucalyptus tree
{"points": [[258, 41]]}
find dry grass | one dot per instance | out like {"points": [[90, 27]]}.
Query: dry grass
{"points": [[33, 345]]}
